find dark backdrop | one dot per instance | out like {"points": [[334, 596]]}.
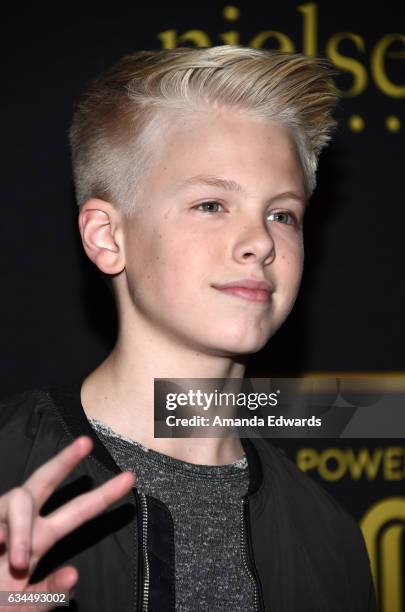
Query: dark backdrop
{"points": [[57, 319], [56, 314]]}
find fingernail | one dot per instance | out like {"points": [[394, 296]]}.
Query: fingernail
{"points": [[21, 555]]}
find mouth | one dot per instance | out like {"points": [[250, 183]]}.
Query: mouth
{"points": [[251, 290]]}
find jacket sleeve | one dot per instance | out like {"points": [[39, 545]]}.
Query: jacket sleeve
{"points": [[20, 416], [372, 604], [358, 566]]}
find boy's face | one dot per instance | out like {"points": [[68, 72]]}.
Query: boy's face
{"points": [[191, 235]]}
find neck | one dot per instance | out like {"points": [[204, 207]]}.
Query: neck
{"points": [[120, 392]]}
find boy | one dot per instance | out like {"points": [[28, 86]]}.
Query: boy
{"points": [[193, 168]]}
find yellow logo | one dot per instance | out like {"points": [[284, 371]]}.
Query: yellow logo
{"points": [[333, 464], [348, 51], [383, 528]]}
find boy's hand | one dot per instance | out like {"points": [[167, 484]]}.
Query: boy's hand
{"points": [[25, 536]]}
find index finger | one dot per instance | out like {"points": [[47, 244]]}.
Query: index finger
{"points": [[74, 513], [84, 507], [42, 483]]}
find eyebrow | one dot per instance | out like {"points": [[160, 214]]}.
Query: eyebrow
{"points": [[230, 185]]}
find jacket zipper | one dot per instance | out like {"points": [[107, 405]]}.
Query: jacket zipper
{"points": [[145, 592], [247, 561], [245, 541]]}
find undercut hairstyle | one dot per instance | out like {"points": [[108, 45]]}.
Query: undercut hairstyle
{"points": [[123, 117]]}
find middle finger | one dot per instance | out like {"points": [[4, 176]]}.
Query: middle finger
{"points": [[46, 478], [84, 507]]}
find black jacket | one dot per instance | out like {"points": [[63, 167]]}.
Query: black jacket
{"points": [[302, 550]]}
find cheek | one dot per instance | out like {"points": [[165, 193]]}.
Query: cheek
{"points": [[178, 269], [291, 262]]}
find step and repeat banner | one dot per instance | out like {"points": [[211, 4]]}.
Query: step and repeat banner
{"points": [[58, 320]]}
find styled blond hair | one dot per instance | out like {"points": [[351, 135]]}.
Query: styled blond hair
{"points": [[116, 123]]}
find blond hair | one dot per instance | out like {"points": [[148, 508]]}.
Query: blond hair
{"points": [[113, 134]]}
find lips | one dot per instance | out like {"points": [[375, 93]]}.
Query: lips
{"points": [[248, 289]]}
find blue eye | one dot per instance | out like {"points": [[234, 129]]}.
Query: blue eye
{"points": [[209, 207], [282, 217]]}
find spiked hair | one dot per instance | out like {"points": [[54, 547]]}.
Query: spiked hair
{"points": [[118, 120]]}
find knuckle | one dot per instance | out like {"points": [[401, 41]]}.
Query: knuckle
{"points": [[104, 496], [20, 495], [34, 560], [82, 510]]}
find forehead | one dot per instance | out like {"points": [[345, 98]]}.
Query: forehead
{"points": [[225, 149]]}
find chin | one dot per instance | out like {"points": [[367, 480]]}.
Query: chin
{"points": [[241, 346]]}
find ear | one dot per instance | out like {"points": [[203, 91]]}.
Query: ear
{"points": [[102, 237]]}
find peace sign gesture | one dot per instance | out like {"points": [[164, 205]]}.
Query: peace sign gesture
{"points": [[25, 536]]}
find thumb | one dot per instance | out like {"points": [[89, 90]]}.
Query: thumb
{"points": [[60, 581]]}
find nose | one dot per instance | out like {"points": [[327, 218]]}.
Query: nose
{"points": [[254, 243]]}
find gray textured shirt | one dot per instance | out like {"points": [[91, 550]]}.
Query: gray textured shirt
{"points": [[205, 503]]}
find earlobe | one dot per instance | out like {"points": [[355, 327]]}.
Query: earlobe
{"points": [[101, 236]]}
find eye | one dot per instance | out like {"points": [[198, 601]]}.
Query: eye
{"points": [[282, 217], [210, 207]]}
